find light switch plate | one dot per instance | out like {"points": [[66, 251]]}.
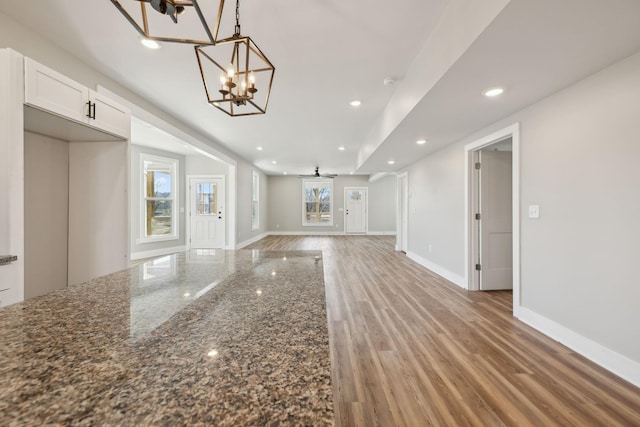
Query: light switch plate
{"points": [[534, 211]]}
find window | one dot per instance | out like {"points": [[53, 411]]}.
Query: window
{"points": [[317, 202], [159, 198], [255, 201]]}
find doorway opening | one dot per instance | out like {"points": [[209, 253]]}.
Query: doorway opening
{"points": [[493, 213]]}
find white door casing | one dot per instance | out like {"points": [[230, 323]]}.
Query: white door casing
{"points": [[207, 212], [402, 243], [356, 209], [471, 279], [496, 240]]}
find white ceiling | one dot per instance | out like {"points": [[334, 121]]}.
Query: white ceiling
{"points": [[329, 52]]}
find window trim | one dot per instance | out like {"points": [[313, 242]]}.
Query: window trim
{"points": [[255, 198], [303, 202], [174, 163]]}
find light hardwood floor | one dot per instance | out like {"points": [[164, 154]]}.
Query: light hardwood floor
{"points": [[409, 348]]}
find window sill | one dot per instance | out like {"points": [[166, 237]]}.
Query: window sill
{"points": [[142, 240], [322, 224]]}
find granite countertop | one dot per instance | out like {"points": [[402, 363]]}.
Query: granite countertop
{"points": [[6, 259], [225, 338]]}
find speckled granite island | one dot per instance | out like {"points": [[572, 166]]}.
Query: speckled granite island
{"points": [[224, 338]]}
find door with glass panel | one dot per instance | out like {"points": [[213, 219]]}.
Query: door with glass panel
{"points": [[206, 213], [355, 210]]}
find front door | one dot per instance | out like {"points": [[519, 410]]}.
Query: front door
{"points": [[355, 210], [206, 213]]}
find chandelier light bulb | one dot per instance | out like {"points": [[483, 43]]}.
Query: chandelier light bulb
{"points": [[230, 72]]}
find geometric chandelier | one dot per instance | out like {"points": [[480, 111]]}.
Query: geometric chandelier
{"points": [[180, 21], [237, 76]]}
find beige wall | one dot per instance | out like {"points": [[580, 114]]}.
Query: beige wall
{"points": [[46, 211], [98, 206], [285, 204], [579, 154]]}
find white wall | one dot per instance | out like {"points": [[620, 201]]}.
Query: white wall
{"points": [[579, 155], [436, 210], [382, 205], [285, 204], [144, 249], [244, 233], [202, 165]]}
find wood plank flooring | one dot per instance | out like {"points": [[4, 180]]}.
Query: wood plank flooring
{"points": [[409, 348]]}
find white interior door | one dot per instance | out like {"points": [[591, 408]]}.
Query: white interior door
{"points": [[355, 210], [206, 213], [496, 239]]}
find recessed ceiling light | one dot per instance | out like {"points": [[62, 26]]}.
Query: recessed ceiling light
{"points": [[421, 141], [391, 162], [151, 44], [341, 148], [274, 162], [350, 173], [355, 103], [259, 148], [493, 92], [284, 173]]}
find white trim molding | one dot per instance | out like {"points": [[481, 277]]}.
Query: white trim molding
{"points": [[454, 278], [381, 233], [157, 252], [610, 360], [512, 131], [308, 233]]}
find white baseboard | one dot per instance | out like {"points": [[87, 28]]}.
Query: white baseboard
{"points": [[252, 240], [329, 233], [450, 276], [157, 252], [306, 233], [620, 365]]}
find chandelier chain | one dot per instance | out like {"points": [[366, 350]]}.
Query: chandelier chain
{"points": [[238, 16]]}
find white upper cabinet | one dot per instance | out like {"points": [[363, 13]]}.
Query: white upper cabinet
{"points": [[53, 92], [108, 115]]}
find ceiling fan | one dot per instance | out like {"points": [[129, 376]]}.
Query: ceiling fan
{"points": [[317, 174], [173, 8]]}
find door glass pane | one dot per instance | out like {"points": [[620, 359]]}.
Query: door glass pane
{"points": [[206, 198], [356, 195]]}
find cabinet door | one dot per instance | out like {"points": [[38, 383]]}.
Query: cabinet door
{"points": [[8, 283], [53, 92], [110, 116]]}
